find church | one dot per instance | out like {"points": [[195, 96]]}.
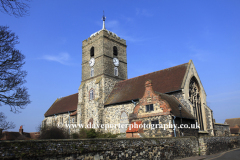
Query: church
{"points": [[172, 96]]}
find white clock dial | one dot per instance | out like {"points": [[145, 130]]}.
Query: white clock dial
{"points": [[116, 62], [91, 62]]}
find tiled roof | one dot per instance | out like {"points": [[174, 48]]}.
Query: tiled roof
{"points": [[15, 135], [9, 135], [163, 81], [64, 104], [234, 130], [174, 103], [233, 122]]}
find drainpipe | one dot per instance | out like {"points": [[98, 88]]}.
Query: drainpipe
{"points": [[69, 121], [174, 129]]}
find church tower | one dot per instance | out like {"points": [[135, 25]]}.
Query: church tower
{"points": [[104, 62]]}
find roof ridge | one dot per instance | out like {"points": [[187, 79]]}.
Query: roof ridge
{"points": [[233, 118], [152, 72], [58, 101]]}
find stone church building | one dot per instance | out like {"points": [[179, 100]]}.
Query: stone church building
{"points": [[106, 96]]}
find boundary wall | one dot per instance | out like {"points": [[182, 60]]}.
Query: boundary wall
{"points": [[135, 148]]}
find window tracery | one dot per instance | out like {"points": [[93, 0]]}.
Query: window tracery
{"points": [[195, 99]]}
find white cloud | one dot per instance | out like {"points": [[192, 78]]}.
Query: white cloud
{"points": [[62, 58]]}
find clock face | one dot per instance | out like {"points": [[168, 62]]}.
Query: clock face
{"points": [[91, 62], [116, 62]]}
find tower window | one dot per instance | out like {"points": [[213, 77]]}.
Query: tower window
{"points": [[91, 94], [92, 52], [149, 107], [115, 71], [92, 72], [115, 51]]}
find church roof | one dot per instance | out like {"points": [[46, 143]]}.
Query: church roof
{"points": [[234, 130], [233, 122], [64, 104], [163, 81], [174, 103]]}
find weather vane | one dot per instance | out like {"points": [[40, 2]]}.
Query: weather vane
{"points": [[103, 18]]}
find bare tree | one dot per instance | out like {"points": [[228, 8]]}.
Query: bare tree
{"points": [[12, 93], [18, 8], [4, 124]]}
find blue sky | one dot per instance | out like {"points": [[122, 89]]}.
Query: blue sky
{"points": [[159, 34]]}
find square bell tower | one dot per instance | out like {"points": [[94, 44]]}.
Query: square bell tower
{"points": [[104, 53], [104, 63]]}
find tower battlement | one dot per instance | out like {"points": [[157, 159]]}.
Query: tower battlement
{"points": [[105, 33]]}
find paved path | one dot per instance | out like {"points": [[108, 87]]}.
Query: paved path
{"points": [[231, 155], [228, 155]]}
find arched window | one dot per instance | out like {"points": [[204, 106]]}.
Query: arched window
{"points": [[115, 51], [92, 52], [92, 72], [115, 71], [195, 99], [91, 94]]}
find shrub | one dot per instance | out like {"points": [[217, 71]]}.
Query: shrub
{"points": [[75, 136], [83, 133], [91, 133], [53, 132]]}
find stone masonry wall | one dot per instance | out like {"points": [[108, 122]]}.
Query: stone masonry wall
{"points": [[212, 145], [221, 129], [113, 115], [103, 43], [143, 148], [94, 109], [209, 115], [60, 120], [162, 148]]}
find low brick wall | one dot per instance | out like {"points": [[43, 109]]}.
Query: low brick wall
{"points": [[139, 148]]}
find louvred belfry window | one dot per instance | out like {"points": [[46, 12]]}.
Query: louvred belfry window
{"points": [[92, 52], [115, 51]]}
